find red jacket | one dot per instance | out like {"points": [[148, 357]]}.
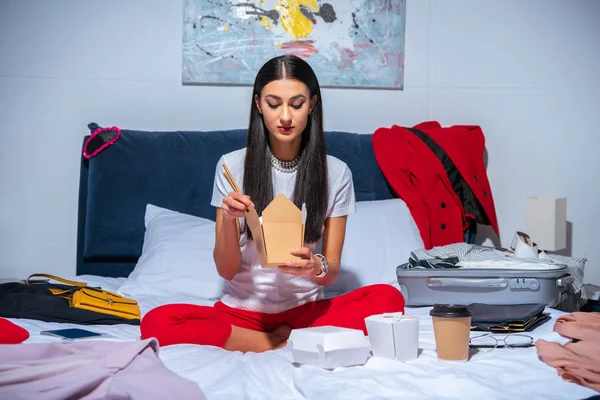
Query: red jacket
{"points": [[439, 172]]}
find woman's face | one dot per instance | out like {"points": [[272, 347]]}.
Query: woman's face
{"points": [[285, 105]]}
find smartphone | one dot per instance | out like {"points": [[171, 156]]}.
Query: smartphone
{"points": [[72, 333]]}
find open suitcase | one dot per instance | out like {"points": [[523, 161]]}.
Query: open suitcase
{"points": [[425, 287]]}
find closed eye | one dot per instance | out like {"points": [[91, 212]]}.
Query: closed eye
{"points": [[295, 106]]}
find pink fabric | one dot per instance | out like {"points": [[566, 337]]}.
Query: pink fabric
{"points": [[577, 361], [89, 370]]}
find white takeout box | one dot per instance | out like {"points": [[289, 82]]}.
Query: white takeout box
{"points": [[329, 346], [394, 336]]}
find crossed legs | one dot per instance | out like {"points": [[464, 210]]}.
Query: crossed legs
{"points": [[247, 331]]}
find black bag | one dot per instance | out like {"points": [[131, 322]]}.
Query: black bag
{"points": [[18, 300]]}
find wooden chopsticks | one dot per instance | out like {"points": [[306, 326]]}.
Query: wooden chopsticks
{"points": [[230, 179]]}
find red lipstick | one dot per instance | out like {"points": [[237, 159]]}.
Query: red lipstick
{"points": [[285, 129]]}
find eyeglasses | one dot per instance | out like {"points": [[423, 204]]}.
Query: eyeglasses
{"points": [[491, 341]]}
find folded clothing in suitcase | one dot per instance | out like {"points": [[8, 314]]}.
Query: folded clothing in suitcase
{"points": [[490, 284]]}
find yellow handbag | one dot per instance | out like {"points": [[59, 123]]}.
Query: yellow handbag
{"points": [[99, 300]]}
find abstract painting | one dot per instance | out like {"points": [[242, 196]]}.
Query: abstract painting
{"points": [[349, 43]]}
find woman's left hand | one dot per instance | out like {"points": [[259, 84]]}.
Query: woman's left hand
{"points": [[306, 267]]}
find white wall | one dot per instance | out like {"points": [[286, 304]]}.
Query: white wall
{"points": [[526, 71]]}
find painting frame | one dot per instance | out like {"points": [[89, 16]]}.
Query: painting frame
{"points": [[356, 44]]}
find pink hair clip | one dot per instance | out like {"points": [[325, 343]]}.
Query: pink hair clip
{"points": [[100, 139]]}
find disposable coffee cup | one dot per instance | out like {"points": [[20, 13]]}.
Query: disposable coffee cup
{"points": [[451, 327]]}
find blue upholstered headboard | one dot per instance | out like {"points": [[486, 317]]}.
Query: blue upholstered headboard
{"points": [[174, 170]]}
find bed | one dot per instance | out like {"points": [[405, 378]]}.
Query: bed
{"points": [[144, 230]]}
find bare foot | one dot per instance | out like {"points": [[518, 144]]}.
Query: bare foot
{"points": [[280, 336], [247, 340], [280, 345]]}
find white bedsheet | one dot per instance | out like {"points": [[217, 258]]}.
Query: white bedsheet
{"points": [[498, 374]]}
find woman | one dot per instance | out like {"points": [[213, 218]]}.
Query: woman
{"points": [[285, 153]]}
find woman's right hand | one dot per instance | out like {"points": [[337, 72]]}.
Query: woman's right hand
{"points": [[235, 205]]}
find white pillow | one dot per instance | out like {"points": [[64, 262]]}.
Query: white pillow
{"points": [[379, 237], [177, 258]]}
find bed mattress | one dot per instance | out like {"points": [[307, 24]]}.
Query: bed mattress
{"points": [[496, 374]]}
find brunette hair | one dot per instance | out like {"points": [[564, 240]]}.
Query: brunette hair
{"points": [[311, 185]]}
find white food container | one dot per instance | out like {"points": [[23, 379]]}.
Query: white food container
{"points": [[394, 336], [329, 346]]}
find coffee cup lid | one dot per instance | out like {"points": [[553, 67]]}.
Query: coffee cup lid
{"points": [[450, 311]]}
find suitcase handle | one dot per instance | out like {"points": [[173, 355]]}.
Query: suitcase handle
{"points": [[565, 281], [490, 283]]}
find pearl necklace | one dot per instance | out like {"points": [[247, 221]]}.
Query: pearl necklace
{"points": [[284, 166]]}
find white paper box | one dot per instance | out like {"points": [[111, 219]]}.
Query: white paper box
{"points": [[394, 336], [329, 346], [546, 222]]}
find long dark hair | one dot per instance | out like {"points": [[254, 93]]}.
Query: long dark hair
{"points": [[311, 178]]}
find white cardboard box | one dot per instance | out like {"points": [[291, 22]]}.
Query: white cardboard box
{"points": [[394, 336], [329, 346], [546, 222]]}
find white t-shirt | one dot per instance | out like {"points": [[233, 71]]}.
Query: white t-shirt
{"points": [[268, 290]]}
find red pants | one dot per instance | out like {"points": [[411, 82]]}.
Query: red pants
{"points": [[186, 323]]}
